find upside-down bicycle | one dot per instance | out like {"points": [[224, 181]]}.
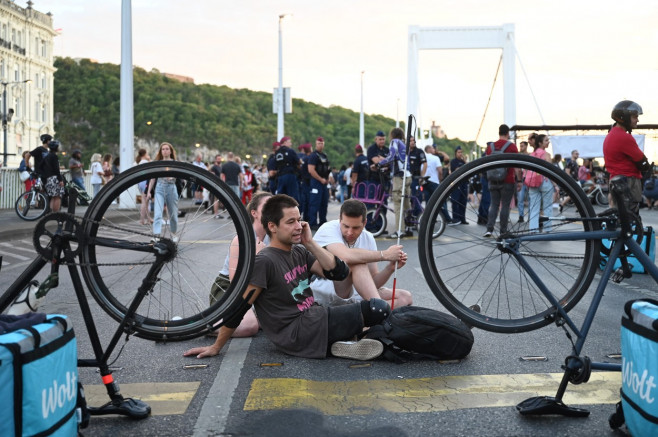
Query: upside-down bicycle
{"points": [[155, 287], [528, 278]]}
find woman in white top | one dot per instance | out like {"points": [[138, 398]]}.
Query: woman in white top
{"points": [[96, 173], [165, 194]]}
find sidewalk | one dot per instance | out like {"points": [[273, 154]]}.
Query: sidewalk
{"points": [[12, 227]]}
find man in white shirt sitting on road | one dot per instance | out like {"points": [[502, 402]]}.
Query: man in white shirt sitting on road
{"points": [[348, 240]]}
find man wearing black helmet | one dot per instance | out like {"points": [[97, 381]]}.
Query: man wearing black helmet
{"points": [[623, 157], [52, 177], [76, 168]]}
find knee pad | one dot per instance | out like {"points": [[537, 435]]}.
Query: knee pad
{"points": [[374, 311]]}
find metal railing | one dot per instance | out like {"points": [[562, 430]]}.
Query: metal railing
{"points": [[12, 186]]}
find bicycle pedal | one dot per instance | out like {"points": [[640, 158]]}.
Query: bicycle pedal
{"points": [[618, 276]]}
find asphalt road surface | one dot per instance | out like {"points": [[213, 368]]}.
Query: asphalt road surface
{"points": [[251, 389]]}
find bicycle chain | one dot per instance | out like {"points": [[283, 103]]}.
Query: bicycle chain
{"points": [[80, 221]]}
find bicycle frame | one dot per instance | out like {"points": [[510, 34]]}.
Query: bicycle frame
{"points": [[577, 368], [118, 404]]}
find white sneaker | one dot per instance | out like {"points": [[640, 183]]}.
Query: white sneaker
{"points": [[487, 234], [364, 349], [174, 238]]}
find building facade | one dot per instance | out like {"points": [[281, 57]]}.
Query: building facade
{"points": [[26, 75]]}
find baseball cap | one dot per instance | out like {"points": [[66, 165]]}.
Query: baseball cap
{"points": [[320, 139], [380, 134], [358, 148]]}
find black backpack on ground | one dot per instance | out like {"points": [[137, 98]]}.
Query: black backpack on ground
{"points": [[412, 332]]}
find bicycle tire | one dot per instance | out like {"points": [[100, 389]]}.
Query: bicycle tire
{"points": [[117, 254], [31, 210], [376, 225], [440, 225], [463, 268], [601, 199]]}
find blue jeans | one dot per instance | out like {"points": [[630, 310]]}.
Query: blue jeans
{"points": [[318, 199], [342, 193], [541, 198], [165, 194], [80, 182]]}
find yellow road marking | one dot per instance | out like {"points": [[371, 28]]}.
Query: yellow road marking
{"points": [[164, 398], [425, 394]]}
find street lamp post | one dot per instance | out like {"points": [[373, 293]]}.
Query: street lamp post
{"points": [[361, 122], [280, 106], [6, 116]]}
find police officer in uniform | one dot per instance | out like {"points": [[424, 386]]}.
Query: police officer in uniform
{"points": [[304, 179], [287, 167], [360, 172], [417, 167], [379, 178], [320, 171]]}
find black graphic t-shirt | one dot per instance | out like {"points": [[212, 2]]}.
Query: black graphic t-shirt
{"points": [[286, 309]]}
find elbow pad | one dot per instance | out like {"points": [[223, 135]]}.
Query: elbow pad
{"points": [[644, 165], [338, 273], [243, 306]]}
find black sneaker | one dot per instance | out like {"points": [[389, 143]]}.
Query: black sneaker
{"points": [[521, 219]]}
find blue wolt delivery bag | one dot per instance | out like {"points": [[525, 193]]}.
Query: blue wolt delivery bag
{"points": [[639, 350], [39, 380], [648, 244]]}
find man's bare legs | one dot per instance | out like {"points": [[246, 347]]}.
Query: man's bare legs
{"points": [[361, 279]]}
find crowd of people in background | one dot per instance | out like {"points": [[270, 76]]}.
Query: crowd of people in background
{"points": [[313, 181]]}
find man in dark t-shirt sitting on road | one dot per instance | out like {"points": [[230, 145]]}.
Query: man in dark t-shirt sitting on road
{"points": [[279, 289]]}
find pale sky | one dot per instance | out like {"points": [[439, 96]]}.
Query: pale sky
{"points": [[581, 57]]}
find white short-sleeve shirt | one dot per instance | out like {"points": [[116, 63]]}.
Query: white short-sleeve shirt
{"points": [[329, 233]]}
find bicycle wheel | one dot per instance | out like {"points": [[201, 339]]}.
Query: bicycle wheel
{"points": [[439, 225], [119, 255], [464, 268], [375, 223], [601, 198], [31, 205]]}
